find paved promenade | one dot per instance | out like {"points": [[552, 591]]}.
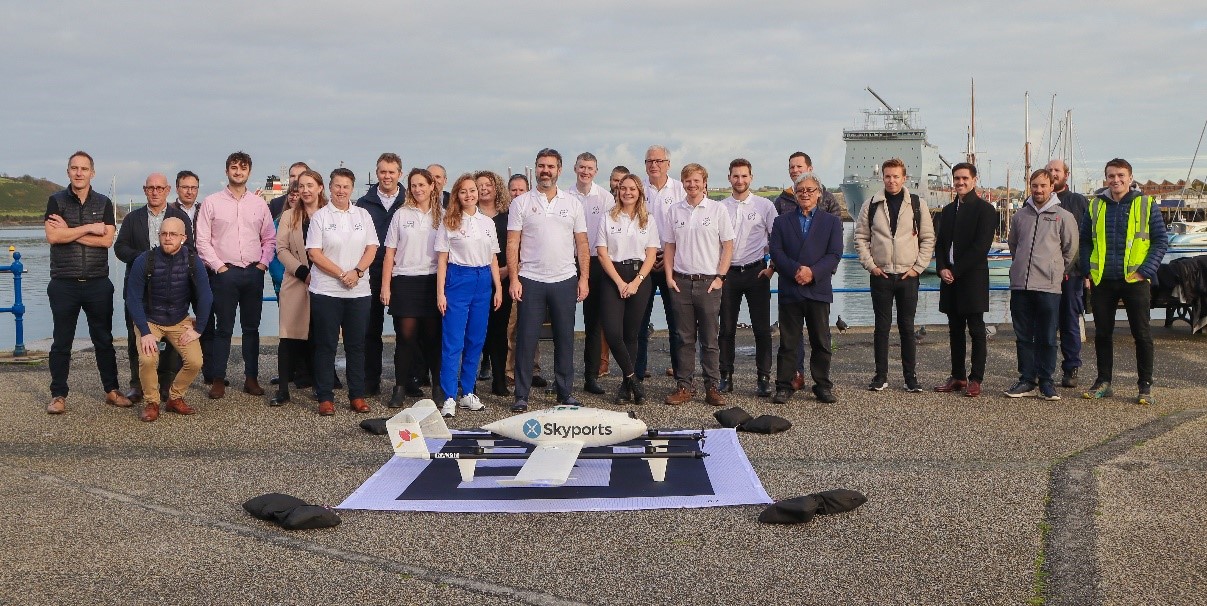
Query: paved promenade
{"points": [[971, 501]]}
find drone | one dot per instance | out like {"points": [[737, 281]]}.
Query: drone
{"points": [[558, 435]]}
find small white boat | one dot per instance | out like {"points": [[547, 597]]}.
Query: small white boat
{"points": [[1186, 239]]}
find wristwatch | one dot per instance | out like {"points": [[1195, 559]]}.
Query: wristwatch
{"points": [[721, 277], [359, 272]]}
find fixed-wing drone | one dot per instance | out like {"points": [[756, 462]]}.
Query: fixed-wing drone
{"points": [[559, 435]]}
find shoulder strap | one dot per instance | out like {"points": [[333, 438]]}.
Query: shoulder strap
{"points": [[917, 204], [872, 206]]}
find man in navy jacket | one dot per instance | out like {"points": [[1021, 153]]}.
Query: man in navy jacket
{"points": [[805, 249]]}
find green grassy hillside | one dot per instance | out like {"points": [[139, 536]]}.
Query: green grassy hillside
{"points": [[23, 199]]}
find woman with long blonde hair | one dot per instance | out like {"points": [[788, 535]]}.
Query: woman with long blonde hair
{"points": [[627, 244], [410, 263], [467, 269]]}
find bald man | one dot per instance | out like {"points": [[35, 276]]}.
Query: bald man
{"points": [[161, 286], [140, 233], [1072, 290]]}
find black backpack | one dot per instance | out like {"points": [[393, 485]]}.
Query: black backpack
{"points": [[913, 200]]}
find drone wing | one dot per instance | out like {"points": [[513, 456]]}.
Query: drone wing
{"points": [[550, 464]]}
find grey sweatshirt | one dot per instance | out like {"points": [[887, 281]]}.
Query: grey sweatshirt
{"points": [[1043, 242]]}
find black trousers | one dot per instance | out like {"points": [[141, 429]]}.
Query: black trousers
{"points": [[495, 349], [887, 291], [593, 337], [330, 315], [816, 316], [558, 300], [170, 361], [658, 280], [1136, 297], [373, 331], [974, 325], [622, 317], [746, 283], [241, 288], [67, 298]]}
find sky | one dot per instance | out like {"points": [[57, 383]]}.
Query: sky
{"points": [[164, 86]]}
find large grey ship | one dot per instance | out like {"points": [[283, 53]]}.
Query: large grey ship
{"points": [[892, 133]]}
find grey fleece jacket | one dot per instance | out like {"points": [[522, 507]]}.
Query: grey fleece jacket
{"points": [[1044, 243]]}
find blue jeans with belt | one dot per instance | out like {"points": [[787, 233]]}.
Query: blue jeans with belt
{"points": [[467, 290]]}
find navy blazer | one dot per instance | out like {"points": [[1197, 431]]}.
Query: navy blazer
{"points": [[820, 252], [133, 239]]}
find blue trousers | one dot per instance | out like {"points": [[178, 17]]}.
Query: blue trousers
{"points": [[327, 316], [1072, 307], [1034, 314], [467, 291], [558, 299]]}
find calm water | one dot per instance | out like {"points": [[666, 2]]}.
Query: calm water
{"points": [[855, 308]]}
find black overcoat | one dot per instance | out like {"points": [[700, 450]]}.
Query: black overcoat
{"points": [[968, 232]]}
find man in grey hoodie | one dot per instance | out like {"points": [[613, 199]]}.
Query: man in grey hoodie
{"points": [[1043, 240]]}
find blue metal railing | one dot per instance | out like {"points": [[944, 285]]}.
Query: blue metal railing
{"points": [[18, 309]]}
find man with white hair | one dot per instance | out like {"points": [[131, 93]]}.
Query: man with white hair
{"points": [[661, 193]]}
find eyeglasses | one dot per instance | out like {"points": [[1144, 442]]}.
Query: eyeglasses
{"points": [[810, 190], [186, 187], [652, 162], [155, 188], [171, 234]]}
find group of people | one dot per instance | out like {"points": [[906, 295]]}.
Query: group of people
{"points": [[470, 277]]}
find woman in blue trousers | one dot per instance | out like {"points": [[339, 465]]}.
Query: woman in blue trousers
{"points": [[467, 272]]}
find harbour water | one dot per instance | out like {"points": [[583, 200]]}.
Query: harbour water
{"points": [[855, 308]]}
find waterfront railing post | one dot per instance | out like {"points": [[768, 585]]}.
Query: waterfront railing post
{"points": [[18, 306]]}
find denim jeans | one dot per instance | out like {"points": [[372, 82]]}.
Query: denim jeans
{"points": [[1035, 316]]}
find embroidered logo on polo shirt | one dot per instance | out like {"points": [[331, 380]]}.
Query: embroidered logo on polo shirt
{"points": [[563, 212], [750, 216], [706, 222]]}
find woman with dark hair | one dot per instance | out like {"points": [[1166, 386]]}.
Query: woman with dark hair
{"points": [[342, 243], [410, 263], [627, 244], [493, 201], [293, 302], [276, 269], [467, 268]]}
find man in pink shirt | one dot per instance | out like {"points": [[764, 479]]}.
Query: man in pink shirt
{"points": [[236, 240]]}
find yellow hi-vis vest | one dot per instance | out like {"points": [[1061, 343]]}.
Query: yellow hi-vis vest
{"points": [[1138, 239]]}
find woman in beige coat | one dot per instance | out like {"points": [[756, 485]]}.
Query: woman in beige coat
{"points": [[294, 300]]}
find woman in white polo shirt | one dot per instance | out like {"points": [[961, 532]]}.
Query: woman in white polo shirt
{"points": [[410, 261], [342, 243], [627, 244], [466, 272]]}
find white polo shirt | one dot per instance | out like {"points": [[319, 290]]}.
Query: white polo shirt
{"points": [[596, 203], [474, 245], [752, 220], [547, 228], [697, 233], [413, 239], [624, 239], [342, 235], [659, 201]]}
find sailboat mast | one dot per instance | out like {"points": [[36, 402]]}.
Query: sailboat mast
{"points": [[1027, 133], [972, 125]]}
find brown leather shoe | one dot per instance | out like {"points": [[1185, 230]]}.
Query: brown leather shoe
{"points": [[798, 381], [358, 404], [115, 398], [680, 395], [150, 412], [217, 390], [178, 406], [326, 408], [670, 372], [714, 397], [252, 386], [951, 385], [134, 394], [973, 389], [57, 406]]}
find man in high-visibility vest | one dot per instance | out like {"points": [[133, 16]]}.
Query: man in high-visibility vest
{"points": [[1123, 240]]}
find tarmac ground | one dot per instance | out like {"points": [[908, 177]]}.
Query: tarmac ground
{"points": [[971, 501]]}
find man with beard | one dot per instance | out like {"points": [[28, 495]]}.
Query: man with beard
{"points": [[546, 235], [1072, 289]]}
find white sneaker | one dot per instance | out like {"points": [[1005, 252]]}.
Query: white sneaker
{"points": [[449, 410], [471, 402]]}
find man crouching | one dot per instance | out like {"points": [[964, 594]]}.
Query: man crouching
{"points": [[163, 282]]}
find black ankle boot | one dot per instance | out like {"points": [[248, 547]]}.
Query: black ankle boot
{"points": [[637, 389], [764, 386], [624, 393], [396, 396], [726, 384], [280, 398]]}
